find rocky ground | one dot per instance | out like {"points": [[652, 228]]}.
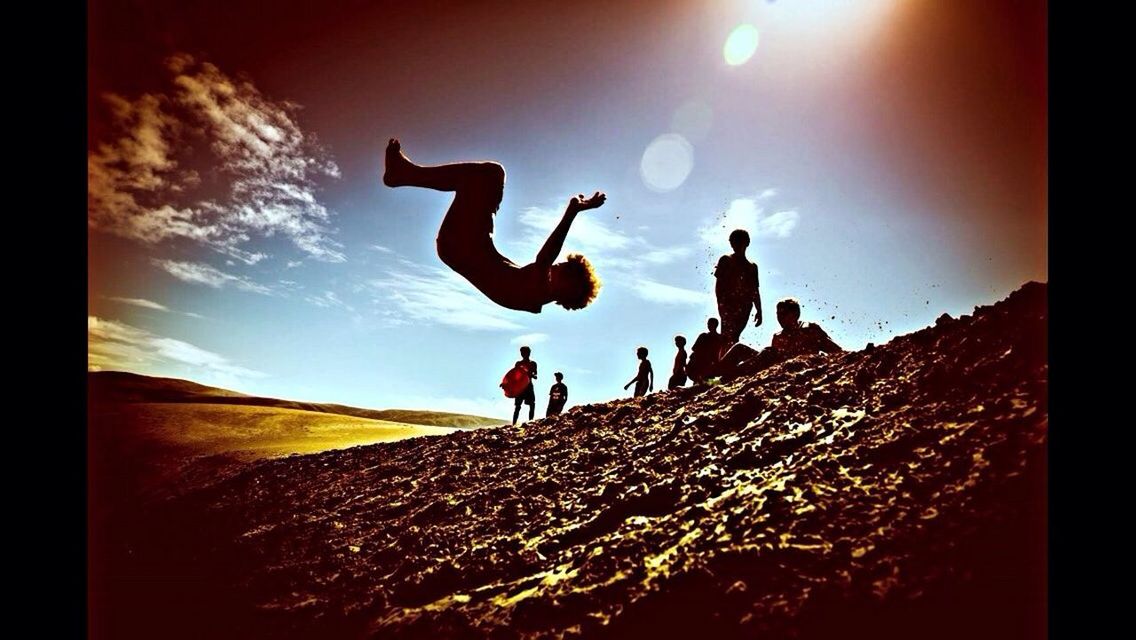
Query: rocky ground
{"points": [[894, 492]]}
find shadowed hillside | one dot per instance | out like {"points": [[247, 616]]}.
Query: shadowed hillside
{"points": [[897, 492]]}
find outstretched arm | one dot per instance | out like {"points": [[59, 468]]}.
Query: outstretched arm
{"points": [[555, 243]]}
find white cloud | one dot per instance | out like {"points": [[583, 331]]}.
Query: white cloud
{"points": [[744, 213], [139, 302], [200, 273], [767, 193], [667, 294], [380, 248], [440, 296], [530, 339], [145, 184], [115, 345], [778, 225]]}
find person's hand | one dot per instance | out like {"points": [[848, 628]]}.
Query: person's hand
{"points": [[757, 319], [626, 385], [581, 203]]}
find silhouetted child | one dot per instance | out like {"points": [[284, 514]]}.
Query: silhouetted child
{"points": [[705, 353], [528, 396], [678, 376], [557, 396], [736, 288], [645, 379], [465, 239], [795, 338]]}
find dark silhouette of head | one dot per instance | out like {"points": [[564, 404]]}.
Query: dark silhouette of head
{"points": [[680, 341], [712, 324], [739, 240], [559, 376], [574, 282], [641, 352], [525, 351], [788, 313]]}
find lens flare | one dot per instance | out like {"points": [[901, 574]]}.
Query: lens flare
{"points": [[741, 44], [667, 162]]}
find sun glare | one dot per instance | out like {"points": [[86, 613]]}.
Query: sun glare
{"points": [[741, 44]]}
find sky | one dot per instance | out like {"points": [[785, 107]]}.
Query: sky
{"points": [[888, 157]]}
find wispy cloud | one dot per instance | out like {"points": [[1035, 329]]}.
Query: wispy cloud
{"points": [[589, 234], [150, 304], [329, 299], [667, 294], [258, 177], [380, 248], [140, 302], [746, 213], [440, 296], [115, 345], [666, 256], [530, 339], [595, 239], [200, 273], [623, 260]]}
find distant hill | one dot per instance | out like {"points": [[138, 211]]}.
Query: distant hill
{"points": [[119, 386], [162, 436]]}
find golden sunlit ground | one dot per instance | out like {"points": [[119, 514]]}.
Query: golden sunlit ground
{"points": [[168, 446], [211, 429]]}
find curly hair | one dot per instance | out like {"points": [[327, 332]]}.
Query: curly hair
{"points": [[580, 270]]}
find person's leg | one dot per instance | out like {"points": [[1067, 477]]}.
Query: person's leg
{"points": [[400, 171], [465, 234], [733, 322], [516, 410], [532, 409]]}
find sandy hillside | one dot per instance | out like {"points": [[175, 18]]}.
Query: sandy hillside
{"points": [[892, 493], [150, 437]]}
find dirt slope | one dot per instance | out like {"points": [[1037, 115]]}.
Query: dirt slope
{"points": [[892, 493]]}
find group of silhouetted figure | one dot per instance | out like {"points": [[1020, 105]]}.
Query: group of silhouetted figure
{"points": [[722, 355], [465, 244]]}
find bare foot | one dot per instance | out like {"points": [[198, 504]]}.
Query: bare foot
{"points": [[397, 165]]}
